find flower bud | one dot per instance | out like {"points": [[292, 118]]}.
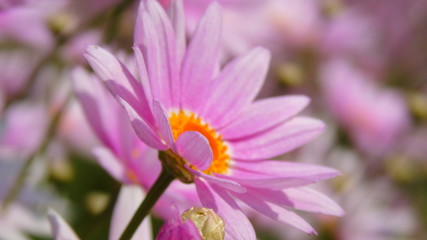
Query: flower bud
{"points": [[210, 225]]}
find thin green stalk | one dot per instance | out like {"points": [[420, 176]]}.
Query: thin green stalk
{"points": [[20, 180], [153, 195]]}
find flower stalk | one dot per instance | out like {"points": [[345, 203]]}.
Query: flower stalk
{"points": [[158, 188]]}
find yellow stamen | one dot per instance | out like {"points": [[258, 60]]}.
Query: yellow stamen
{"points": [[186, 121]]}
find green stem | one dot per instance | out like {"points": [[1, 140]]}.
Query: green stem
{"points": [[20, 180], [153, 195]]}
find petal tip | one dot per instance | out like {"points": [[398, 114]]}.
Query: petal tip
{"points": [[91, 49], [340, 212]]}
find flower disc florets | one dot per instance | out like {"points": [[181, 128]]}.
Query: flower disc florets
{"points": [[187, 121]]}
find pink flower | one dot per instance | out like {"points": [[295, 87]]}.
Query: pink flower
{"points": [[375, 117], [184, 105], [350, 33], [15, 78], [24, 126], [27, 22]]}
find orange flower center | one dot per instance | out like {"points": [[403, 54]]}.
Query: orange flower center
{"points": [[186, 121]]}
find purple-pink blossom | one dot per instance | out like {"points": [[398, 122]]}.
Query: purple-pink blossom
{"points": [[375, 117], [183, 103]]}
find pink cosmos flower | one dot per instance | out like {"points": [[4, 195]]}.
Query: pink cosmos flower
{"points": [[127, 203], [184, 104]]}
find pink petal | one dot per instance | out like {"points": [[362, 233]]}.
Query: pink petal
{"points": [[195, 149], [145, 164], [273, 183], [236, 87], [139, 37], [253, 199], [129, 199], [106, 110], [237, 225], [262, 115], [111, 164], [225, 183], [301, 198], [143, 74], [277, 175], [155, 37], [178, 230], [61, 230], [23, 127], [278, 140], [142, 129], [286, 168], [176, 14], [201, 59], [162, 122], [26, 23], [119, 80], [100, 108], [307, 199]]}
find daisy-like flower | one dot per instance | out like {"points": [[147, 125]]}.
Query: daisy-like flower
{"points": [[206, 120]]}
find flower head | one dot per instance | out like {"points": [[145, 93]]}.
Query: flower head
{"points": [[183, 104], [374, 116]]}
